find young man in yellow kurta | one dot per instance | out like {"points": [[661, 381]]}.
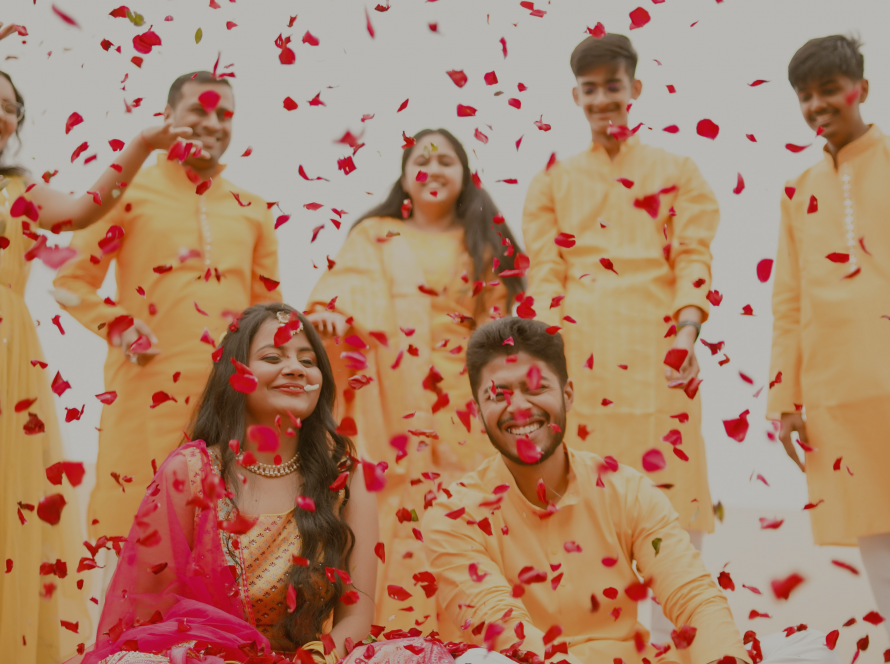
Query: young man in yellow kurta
{"points": [[619, 241], [543, 535], [186, 263], [831, 304]]}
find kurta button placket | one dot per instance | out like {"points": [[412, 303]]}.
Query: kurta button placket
{"points": [[205, 229], [846, 178]]}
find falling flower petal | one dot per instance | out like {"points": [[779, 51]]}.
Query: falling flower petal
{"points": [[638, 18], [707, 129], [764, 270], [49, 509], [653, 461], [373, 476], [565, 240], [528, 452], [846, 566], [782, 588], [737, 428], [458, 77], [264, 437], [675, 357], [73, 120], [65, 17]]}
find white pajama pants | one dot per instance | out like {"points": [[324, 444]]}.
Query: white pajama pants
{"points": [[807, 647]]}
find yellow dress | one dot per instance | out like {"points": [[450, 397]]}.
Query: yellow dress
{"points": [[30, 628], [175, 245], [376, 281], [831, 335], [660, 252], [581, 561]]}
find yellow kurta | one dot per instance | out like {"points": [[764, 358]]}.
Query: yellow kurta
{"points": [[376, 281], [620, 317], [831, 335], [30, 631], [164, 219], [619, 521]]}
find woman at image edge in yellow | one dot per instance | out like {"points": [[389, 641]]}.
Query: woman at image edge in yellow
{"points": [[425, 282], [31, 605]]}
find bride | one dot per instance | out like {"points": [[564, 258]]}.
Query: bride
{"points": [[255, 540]]}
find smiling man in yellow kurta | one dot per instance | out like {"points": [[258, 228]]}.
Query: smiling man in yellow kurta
{"points": [[831, 303], [540, 545], [185, 264], [619, 239]]}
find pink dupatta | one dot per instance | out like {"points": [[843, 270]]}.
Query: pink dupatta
{"points": [[173, 583]]}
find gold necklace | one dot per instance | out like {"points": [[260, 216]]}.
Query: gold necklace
{"points": [[272, 470]]}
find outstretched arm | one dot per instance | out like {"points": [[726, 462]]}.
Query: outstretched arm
{"points": [[66, 212]]}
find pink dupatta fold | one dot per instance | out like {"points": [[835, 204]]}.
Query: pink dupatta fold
{"points": [[173, 583]]}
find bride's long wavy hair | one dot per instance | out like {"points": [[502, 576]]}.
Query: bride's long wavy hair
{"points": [[325, 538]]}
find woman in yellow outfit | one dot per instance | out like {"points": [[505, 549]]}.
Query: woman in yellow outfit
{"points": [[32, 605], [415, 276]]}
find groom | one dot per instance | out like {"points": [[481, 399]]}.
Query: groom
{"points": [[190, 250], [536, 550]]}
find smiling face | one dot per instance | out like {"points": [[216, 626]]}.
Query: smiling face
{"points": [[604, 93], [832, 103], [213, 129], [435, 156], [282, 374], [8, 112], [526, 412]]}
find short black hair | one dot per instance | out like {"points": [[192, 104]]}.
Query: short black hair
{"points": [[825, 57], [609, 49], [529, 336], [175, 93]]}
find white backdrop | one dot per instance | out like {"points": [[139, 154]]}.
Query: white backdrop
{"points": [[61, 69]]}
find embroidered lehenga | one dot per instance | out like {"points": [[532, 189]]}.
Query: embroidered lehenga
{"points": [[199, 582]]}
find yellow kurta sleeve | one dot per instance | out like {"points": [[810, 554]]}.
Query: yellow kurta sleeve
{"points": [[84, 278], [677, 576], [265, 262], [547, 271], [694, 227], [358, 273], [786, 352], [452, 546]]}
